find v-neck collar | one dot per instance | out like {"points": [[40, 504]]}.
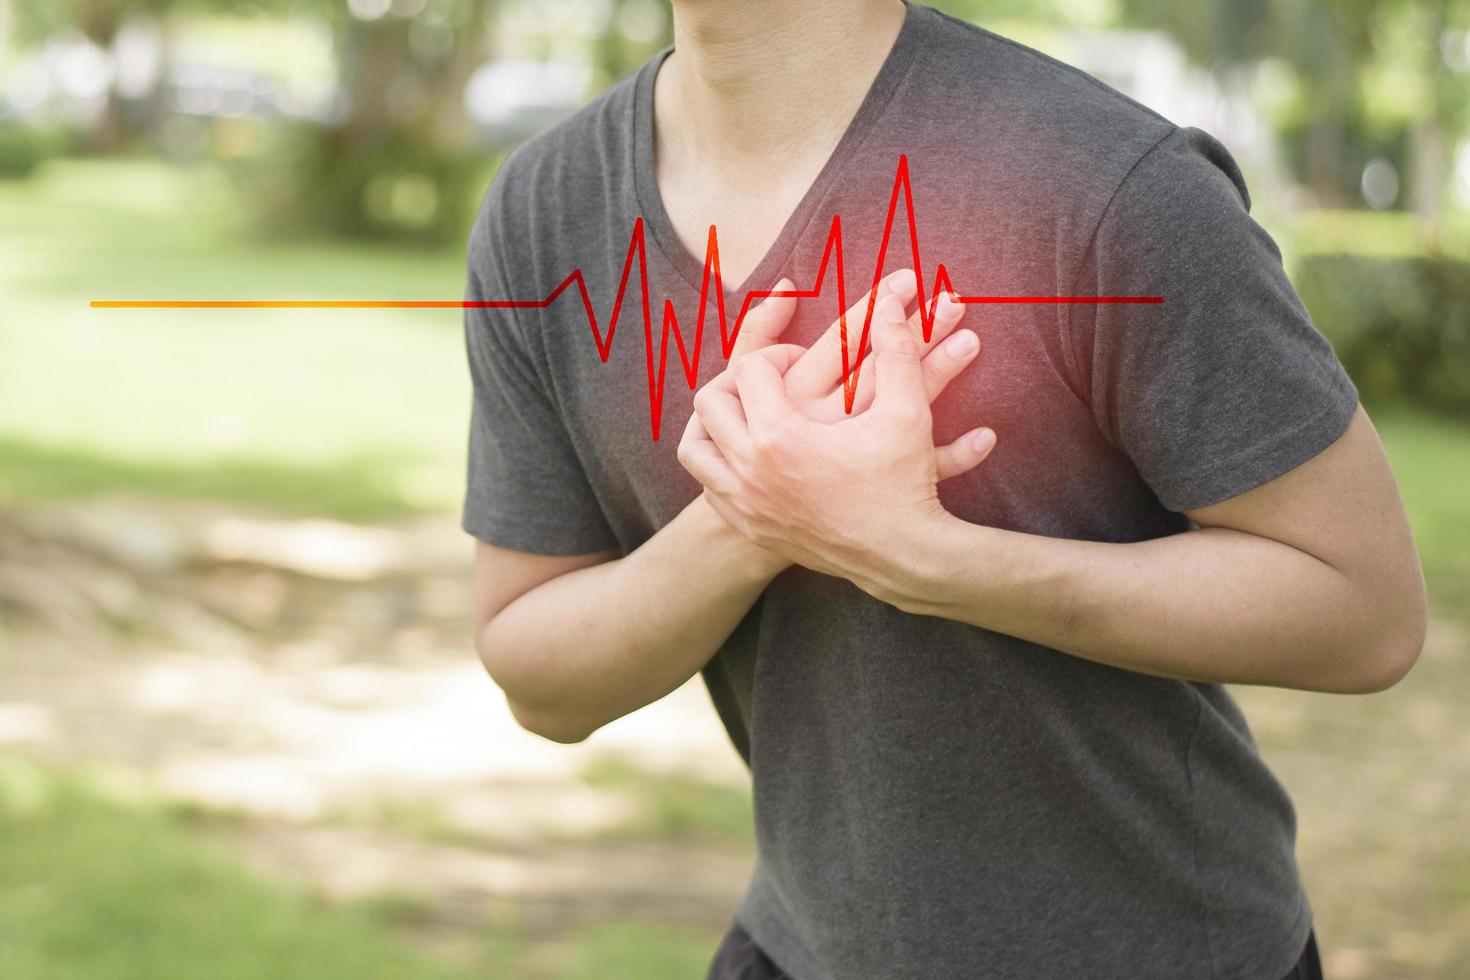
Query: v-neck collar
{"points": [[650, 201]]}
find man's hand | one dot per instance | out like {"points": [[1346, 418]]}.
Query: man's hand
{"points": [[813, 375], [833, 495]]}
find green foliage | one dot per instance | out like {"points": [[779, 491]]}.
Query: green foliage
{"points": [[1368, 77], [99, 19], [24, 149], [1401, 326], [20, 153], [1230, 31], [307, 180]]}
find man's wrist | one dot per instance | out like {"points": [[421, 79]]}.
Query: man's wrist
{"points": [[754, 563], [916, 570]]}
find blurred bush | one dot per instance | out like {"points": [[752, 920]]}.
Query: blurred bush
{"points": [[1400, 325], [19, 153], [24, 149], [303, 180]]}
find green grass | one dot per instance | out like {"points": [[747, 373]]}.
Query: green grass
{"points": [[630, 950], [677, 805], [356, 414], [1431, 457], [665, 807], [1450, 890], [97, 884], [95, 889]]}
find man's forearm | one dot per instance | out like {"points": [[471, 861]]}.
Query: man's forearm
{"points": [[590, 646], [1210, 605]]}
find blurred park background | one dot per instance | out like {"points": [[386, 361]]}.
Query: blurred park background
{"points": [[242, 729]]}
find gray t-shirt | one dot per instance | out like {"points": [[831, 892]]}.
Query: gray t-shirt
{"points": [[934, 800]]}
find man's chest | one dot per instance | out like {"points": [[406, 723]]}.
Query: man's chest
{"points": [[1052, 472]]}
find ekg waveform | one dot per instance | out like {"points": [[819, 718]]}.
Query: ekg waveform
{"points": [[711, 282]]}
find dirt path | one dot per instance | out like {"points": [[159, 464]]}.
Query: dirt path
{"points": [[1382, 791], [315, 679], [315, 683]]}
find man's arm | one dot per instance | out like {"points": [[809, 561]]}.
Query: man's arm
{"points": [[576, 642], [1309, 581]]}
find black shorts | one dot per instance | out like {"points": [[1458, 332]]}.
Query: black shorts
{"points": [[739, 958]]}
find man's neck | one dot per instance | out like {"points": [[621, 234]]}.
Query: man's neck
{"points": [[755, 83]]}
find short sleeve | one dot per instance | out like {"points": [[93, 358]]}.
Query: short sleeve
{"points": [[1226, 385], [526, 489]]}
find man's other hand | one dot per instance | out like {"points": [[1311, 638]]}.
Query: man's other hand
{"points": [[833, 494]]}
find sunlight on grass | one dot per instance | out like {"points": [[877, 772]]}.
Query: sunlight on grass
{"points": [[638, 951], [99, 881], [677, 805], [1386, 234], [178, 401], [93, 889], [1431, 458]]}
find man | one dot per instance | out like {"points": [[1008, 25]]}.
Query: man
{"points": [[979, 685]]}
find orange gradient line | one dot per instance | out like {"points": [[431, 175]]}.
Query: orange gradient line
{"points": [[711, 286]]}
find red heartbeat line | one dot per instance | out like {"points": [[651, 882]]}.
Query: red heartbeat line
{"points": [[689, 354]]}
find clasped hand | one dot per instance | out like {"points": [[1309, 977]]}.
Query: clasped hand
{"points": [[784, 462]]}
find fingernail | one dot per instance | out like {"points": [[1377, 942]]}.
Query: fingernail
{"points": [[962, 344], [983, 440], [949, 304], [891, 310]]}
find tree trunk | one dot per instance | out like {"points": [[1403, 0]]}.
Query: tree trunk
{"points": [[448, 124], [98, 22], [373, 64], [1430, 156], [1431, 144], [1326, 160]]}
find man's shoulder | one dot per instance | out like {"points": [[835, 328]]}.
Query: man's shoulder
{"points": [[564, 164], [1047, 114], [983, 63]]}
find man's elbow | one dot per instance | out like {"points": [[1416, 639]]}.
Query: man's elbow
{"points": [[1394, 648], [548, 725], [1399, 656]]}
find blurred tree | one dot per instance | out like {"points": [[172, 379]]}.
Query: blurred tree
{"points": [[394, 64], [635, 30], [1372, 78], [1338, 51], [1436, 132], [402, 66], [408, 70], [98, 21]]}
